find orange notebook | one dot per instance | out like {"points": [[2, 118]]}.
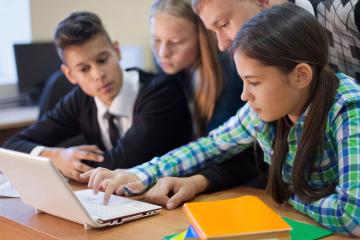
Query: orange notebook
{"points": [[238, 218]]}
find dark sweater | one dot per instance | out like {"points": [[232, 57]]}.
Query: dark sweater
{"points": [[161, 122]]}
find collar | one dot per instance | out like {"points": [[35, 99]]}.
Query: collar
{"points": [[123, 103], [306, 4], [301, 120]]}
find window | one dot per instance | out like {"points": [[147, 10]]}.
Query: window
{"points": [[15, 25]]}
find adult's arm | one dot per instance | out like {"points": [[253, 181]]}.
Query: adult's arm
{"points": [[236, 135], [237, 170]]}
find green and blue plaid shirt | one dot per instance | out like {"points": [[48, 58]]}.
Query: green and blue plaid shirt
{"points": [[340, 162]]}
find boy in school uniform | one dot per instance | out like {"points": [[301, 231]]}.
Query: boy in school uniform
{"points": [[126, 117]]}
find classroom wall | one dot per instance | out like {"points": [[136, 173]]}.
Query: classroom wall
{"points": [[125, 20]]}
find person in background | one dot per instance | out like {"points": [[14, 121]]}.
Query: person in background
{"points": [[308, 131], [126, 117], [209, 81], [340, 18]]}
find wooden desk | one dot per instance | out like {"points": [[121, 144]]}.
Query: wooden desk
{"points": [[20, 221], [13, 120], [18, 117]]}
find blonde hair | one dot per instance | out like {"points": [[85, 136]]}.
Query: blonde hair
{"points": [[211, 80]]}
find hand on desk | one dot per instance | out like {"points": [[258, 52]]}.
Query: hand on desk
{"points": [[172, 191], [110, 181], [68, 160], [168, 191]]}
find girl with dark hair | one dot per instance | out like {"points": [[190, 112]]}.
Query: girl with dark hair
{"points": [[311, 136], [304, 116]]}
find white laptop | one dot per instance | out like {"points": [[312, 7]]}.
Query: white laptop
{"points": [[42, 186]]}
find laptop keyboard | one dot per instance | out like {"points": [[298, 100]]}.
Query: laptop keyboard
{"points": [[117, 206]]}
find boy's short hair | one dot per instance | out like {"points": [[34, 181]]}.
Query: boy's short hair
{"points": [[77, 29]]}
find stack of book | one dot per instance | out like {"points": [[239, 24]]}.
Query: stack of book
{"points": [[238, 218]]}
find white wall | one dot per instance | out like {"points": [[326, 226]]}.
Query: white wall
{"points": [[125, 20], [9, 21]]}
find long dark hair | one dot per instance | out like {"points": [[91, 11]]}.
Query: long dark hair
{"points": [[283, 37]]}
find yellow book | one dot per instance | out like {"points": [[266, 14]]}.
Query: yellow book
{"points": [[237, 218]]}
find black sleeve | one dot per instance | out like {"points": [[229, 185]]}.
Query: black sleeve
{"points": [[53, 128], [161, 123], [357, 15], [235, 171]]}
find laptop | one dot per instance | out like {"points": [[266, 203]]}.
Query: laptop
{"points": [[43, 187]]}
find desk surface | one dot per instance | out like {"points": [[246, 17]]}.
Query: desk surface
{"points": [[19, 221], [18, 117]]}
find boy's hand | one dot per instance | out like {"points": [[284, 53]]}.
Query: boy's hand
{"points": [[109, 181], [68, 160], [172, 191]]}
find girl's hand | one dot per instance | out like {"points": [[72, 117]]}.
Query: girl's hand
{"points": [[172, 191], [111, 182]]}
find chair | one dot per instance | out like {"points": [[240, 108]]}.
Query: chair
{"points": [[56, 87]]}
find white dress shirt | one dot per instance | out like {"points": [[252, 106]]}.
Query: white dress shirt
{"points": [[122, 107], [306, 4]]}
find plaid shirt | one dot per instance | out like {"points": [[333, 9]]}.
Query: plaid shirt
{"points": [[340, 162]]}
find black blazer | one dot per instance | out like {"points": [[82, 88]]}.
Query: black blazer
{"points": [[161, 122]]}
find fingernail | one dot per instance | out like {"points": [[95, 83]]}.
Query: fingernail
{"points": [[128, 189], [170, 205], [130, 186], [101, 158]]}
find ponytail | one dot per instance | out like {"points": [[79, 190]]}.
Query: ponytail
{"points": [[211, 79], [311, 144], [312, 140]]}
